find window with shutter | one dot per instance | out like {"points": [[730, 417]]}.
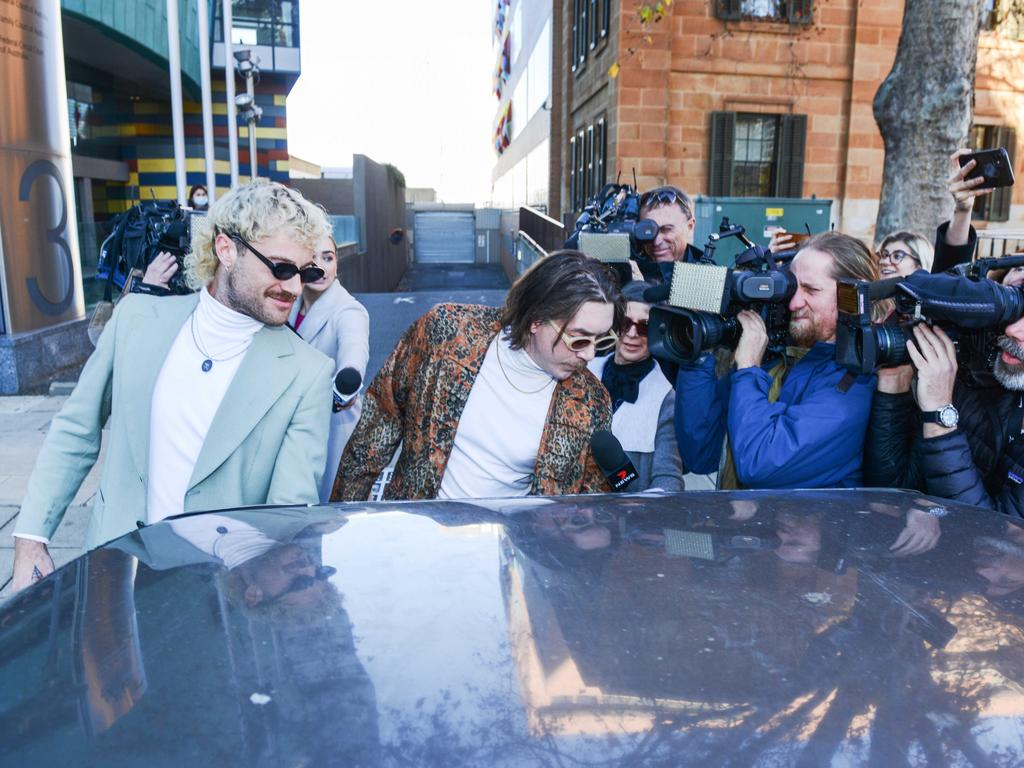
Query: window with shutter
{"points": [[723, 132], [789, 175]]}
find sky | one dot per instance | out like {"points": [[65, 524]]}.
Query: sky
{"points": [[406, 82]]}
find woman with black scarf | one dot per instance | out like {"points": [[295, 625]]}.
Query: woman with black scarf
{"points": [[643, 401]]}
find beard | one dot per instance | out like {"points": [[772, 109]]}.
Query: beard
{"points": [[808, 330], [245, 300], [1010, 375]]}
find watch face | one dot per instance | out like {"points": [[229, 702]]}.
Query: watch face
{"points": [[948, 416]]}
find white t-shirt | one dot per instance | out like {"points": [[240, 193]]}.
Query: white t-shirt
{"points": [[186, 398], [495, 449]]}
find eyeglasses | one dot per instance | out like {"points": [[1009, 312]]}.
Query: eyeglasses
{"points": [[665, 196], [580, 343], [896, 257], [640, 325], [304, 582], [283, 270]]}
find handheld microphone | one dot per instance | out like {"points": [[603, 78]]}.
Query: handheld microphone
{"points": [[347, 386], [618, 469]]}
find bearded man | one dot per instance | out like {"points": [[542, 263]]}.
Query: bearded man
{"points": [[792, 421]]}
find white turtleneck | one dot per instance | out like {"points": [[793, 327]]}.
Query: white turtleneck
{"points": [[495, 449], [186, 398]]}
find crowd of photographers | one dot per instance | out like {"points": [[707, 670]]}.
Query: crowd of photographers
{"points": [[822, 363]]}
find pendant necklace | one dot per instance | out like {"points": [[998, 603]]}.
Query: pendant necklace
{"points": [[209, 360]]}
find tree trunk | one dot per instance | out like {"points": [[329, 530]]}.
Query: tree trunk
{"points": [[923, 110]]}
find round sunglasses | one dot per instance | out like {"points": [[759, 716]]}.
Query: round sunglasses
{"points": [[580, 343]]}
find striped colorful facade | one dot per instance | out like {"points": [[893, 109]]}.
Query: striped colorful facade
{"points": [[138, 133]]}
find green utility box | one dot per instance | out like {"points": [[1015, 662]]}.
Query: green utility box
{"points": [[758, 215]]}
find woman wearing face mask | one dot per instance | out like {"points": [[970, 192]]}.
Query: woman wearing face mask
{"points": [[643, 401], [332, 321], [903, 253], [198, 198]]}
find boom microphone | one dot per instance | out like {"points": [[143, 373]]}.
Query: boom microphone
{"points": [[618, 469], [347, 386]]}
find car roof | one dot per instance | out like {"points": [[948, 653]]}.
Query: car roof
{"points": [[743, 628]]}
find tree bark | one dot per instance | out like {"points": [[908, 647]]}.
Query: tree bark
{"points": [[923, 110]]}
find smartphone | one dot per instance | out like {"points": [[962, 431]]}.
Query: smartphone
{"points": [[993, 164]]}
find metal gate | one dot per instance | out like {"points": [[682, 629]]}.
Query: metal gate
{"points": [[445, 237]]}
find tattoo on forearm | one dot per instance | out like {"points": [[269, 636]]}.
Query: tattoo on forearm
{"points": [[37, 575]]}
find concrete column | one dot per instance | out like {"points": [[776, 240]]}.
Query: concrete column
{"points": [[177, 113], [229, 87], [204, 78]]}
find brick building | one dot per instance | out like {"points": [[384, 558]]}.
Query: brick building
{"points": [[748, 98]]}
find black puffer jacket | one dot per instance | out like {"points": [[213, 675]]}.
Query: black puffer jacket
{"points": [[974, 464]]}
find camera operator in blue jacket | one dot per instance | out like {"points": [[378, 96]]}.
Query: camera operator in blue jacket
{"points": [[792, 422]]}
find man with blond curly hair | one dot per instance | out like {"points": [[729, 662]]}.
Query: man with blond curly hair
{"points": [[210, 399]]}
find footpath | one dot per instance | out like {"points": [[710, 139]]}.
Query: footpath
{"points": [[24, 422]]}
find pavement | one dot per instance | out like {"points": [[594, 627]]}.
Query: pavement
{"points": [[24, 421]]}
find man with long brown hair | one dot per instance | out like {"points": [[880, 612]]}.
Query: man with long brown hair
{"points": [[798, 421], [493, 402]]}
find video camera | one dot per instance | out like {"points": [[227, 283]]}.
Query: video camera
{"points": [[705, 298], [610, 230], [970, 308], [139, 234]]}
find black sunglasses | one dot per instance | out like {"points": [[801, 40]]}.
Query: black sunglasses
{"points": [[640, 325], [665, 196], [284, 270]]}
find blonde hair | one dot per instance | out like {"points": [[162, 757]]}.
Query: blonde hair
{"points": [[920, 246], [253, 211]]}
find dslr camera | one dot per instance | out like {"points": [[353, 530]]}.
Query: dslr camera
{"points": [[704, 299], [972, 309], [610, 230]]}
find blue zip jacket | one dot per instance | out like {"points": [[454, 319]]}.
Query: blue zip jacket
{"points": [[812, 437]]}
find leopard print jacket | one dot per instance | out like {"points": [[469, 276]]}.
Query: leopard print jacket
{"points": [[420, 393]]}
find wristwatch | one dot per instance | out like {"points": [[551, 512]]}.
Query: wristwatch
{"points": [[947, 416]]}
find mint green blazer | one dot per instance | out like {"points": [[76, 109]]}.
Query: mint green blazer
{"points": [[267, 443]]}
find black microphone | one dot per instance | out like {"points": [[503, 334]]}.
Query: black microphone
{"points": [[618, 469], [347, 385]]}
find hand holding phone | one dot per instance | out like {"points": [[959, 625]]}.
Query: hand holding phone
{"points": [[992, 165]]}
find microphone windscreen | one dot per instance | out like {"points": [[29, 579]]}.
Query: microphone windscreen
{"points": [[657, 293], [607, 450], [348, 381]]}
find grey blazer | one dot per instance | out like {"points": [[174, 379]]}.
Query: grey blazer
{"points": [[661, 468], [266, 445], [338, 326]]}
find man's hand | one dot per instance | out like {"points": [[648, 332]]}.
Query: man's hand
{"points": [[781, 241], [753, 340], [161, 269], [32, 563], [920, 534], [934, 357], [895, 380]]}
